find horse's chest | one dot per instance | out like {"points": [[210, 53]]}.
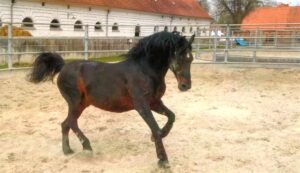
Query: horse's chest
{"points": [[160, 91]]}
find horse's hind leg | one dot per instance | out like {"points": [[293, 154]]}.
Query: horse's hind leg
{"points": [[65, 138], [74, 114], [72, 90], [75, 110], [71, 122]]}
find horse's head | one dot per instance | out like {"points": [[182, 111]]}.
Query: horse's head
{"points": [[181, 63]]}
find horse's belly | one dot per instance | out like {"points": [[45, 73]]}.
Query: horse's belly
{"points": [[118, 105]]}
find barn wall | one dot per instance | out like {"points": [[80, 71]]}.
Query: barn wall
{"points": [[124, 18]]}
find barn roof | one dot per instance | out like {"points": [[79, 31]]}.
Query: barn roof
{"points": [[187, 8], [280, 15]]}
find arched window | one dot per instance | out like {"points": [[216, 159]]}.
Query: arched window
{"points": [[115, 27], [166, 29], [183, 29], [156, 28], [175, 29], [137, 31], [54, 24], [191, 29], [204, 31], [27, 22], [198, 31], [78, 25], [98, 26]]}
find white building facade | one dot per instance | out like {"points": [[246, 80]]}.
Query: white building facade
{"points": [[56, 18]]}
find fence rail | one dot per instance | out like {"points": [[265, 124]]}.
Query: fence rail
{"points": [[268, 43]]}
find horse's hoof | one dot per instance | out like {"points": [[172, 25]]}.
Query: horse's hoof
{"points": [[88, 148], [164, 164], [88, 153], [68, 151], [86, 145]]}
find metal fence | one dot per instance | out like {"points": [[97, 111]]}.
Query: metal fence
{"points": [[268, 43]]}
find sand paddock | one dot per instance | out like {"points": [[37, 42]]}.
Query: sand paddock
{"points": [[233, 120]]}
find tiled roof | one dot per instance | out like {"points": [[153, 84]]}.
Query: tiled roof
{"points": [[281, 15], [188, 8]]}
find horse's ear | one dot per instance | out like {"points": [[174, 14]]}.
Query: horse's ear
{"points": [[192, 39]]}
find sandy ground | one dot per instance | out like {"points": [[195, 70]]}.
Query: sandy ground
{"points": [[233, 120]]}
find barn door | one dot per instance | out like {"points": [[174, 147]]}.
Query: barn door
{"points": [[137, 32]]}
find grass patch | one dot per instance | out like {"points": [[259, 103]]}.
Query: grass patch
{"points": [[20, 65], [98, 59], [16, 65], [102, 59], [212, 47], [109, 59], [3, 66]]}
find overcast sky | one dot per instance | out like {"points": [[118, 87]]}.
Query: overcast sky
{"points": [[290, 2]]}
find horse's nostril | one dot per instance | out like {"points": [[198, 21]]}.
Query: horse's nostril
{"points": [[183, 86]]}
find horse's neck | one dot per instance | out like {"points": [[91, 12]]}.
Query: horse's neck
{"points": [[157, 70], [154, 69]]}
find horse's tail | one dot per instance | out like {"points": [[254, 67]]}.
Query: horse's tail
{"points": [[45, 67]]}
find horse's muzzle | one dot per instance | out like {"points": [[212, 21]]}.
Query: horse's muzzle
{"points": [[184, 87]]}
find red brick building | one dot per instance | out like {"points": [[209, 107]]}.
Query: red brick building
{"points": [[274, 25], [281, 17]]}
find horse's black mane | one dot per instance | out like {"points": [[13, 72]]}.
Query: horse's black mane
{"points": [[157, 48]]}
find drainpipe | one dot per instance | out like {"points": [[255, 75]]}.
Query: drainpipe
{"points": [[107, 15], [12, 10], [10, 36], [171, 22]]}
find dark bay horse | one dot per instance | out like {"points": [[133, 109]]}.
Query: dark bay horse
{"points": [[136, 83]]}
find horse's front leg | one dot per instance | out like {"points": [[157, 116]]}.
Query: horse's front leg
{"points": [[144, 110], [160, 108]]}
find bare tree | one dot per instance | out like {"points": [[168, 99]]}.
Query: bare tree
{"points": [[233, 11], [271, 3], [205, 4]]}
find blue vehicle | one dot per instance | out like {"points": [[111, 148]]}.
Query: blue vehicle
{"points": [[241, 42]]}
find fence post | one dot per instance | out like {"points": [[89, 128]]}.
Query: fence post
{"points": [[86, 43], [209, 36], [255, 45], [215, 45], [227, 43], [197, 41], [293, 39], [9, 46], [232, 34], [276, 39]]}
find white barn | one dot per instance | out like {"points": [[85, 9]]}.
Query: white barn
{"points": [[104, 17]]}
